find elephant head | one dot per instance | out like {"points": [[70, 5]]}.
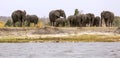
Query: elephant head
{"points": [[90, 18], [108, 18], [54, 14], [61, 13]]}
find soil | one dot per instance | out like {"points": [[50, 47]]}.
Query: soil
{"points": [[57, 31]]}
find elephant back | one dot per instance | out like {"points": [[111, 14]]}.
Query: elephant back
{"points": [[32, 18]]}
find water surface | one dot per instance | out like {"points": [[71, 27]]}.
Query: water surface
{"points": [[60, 50]]}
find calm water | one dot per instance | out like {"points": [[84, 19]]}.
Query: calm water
{"points": [[60, 50]]}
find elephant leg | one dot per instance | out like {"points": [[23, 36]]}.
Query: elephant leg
{"points": [[111, 23], [57, 24], [106, 24], [91, 24], [63, 24], [50, 23], [53, 23], [70, 23], [20, 23], [101, 22]]}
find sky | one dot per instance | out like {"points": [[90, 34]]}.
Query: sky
{"points": [[42, 7]]}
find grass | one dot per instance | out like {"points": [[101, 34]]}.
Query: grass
{"points": [[2, 24], [81, 38]]}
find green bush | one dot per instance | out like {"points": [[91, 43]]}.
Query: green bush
{"points": [[76, 12], [8, 23], [116, 22]]}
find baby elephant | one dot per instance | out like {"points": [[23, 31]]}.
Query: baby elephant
{"points": [[60, 22], [97, 21], [31, 19]]}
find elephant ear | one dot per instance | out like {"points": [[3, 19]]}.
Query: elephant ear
{"points": [[62, 13], [56, 13]]}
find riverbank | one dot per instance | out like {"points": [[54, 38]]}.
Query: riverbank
{"points": [[60, 34]]}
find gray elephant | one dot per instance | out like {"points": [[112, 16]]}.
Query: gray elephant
{"points": [[54, 14], [81, 20], [18, 16], [31, 19], [108, 18], [60, 22], [97, 21], [72, 20], [90, 19]]}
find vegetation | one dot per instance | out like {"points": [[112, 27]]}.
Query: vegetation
{"points": [[8, 23], [76, 12], [81, 38], [2, 24], [116, 21]]}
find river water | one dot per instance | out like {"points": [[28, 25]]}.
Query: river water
{"points": [[60, 50]]}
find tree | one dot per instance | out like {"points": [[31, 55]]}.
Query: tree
{"points": [[76, 12]]}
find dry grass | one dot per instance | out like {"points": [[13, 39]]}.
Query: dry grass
{"points": [[9, 37], [80, 38], [2, 24]]}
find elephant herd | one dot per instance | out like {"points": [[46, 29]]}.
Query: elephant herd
{"points": [[20, 16], [58, 17]]}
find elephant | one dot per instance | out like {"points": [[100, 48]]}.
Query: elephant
{"points": [[31, 19], [72, 20], [18, 16], [90, 19], [54, 14], [97, 21], [81, 20], [108, 18], [60, 22]]}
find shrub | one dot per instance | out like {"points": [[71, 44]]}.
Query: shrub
{"points": [[76, 12], [8, 23], [116, 22]]}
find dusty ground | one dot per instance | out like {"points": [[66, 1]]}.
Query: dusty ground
{"points": [[58, 31]]}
